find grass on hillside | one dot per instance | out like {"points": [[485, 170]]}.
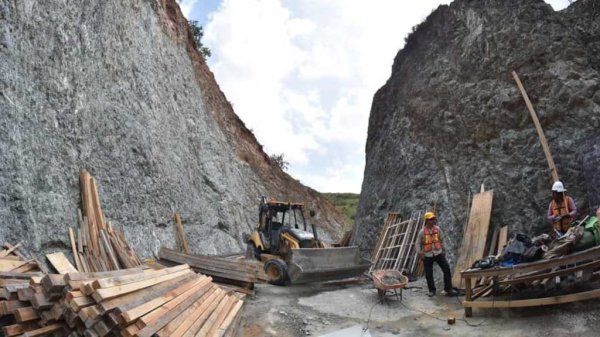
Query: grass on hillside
{"points": [[345, 203]]}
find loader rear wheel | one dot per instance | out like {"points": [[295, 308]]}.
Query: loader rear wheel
{"points": [[277, 272]]}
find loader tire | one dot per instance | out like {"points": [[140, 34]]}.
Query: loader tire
{"points": [[252, 252], [277, 272]]}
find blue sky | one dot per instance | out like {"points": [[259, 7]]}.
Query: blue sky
{"points": [[302, 74]]}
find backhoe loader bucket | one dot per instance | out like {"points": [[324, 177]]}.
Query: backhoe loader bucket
{"points": [[325, 264]]}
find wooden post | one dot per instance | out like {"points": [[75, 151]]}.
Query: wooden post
{"points": [[538, 127], [468, 296]]}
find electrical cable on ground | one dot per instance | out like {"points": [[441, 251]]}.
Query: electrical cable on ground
{"points": [[464, 318]]}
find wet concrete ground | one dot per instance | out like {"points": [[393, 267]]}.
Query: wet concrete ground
{"points": [[319, 309]]}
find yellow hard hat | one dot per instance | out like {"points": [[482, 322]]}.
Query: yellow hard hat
{"points": [[429, 216]]}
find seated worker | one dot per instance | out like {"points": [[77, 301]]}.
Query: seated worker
{"points": [[430, 248], [562, 210]]}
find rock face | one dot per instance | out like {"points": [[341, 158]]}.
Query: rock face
{"points": [[451, 117], [117, 88]]}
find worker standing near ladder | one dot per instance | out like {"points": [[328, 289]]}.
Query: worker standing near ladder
{"points": [[562, 210], [430, 247]]}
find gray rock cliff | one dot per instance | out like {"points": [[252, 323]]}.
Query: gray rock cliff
{"points": [[117, 88], [450, 117]]}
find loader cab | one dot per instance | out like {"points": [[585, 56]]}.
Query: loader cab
{"points": [[281, 227]]}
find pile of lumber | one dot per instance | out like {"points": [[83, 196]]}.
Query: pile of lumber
{"points": [[13, 259], [396, 248], [98, 245], [130, 302], [241, 272]]}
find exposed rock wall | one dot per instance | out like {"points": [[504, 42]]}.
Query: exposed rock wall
{"points": [[451, 117], [117, 87]]}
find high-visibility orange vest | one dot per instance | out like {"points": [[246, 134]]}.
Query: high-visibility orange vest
{"points": [[431, 239], [564, 224]]}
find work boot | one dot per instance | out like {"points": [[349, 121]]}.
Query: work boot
{"points": [[431, 293], [451, 293]]}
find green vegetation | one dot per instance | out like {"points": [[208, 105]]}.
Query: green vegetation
{"points": [[279, 160], [198, 32], [345, 203]]}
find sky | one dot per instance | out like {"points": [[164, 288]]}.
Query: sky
{"points": [[302, 74]]}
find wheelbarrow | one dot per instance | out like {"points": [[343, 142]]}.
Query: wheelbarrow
{"points": [[389, 280]]}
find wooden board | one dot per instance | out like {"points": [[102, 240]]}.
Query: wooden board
{"points": [[502, 239], [60, 262], [534, 302], [474, 240]]}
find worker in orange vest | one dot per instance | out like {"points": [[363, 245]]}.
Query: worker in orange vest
{"points": [[562, 210], [430, 248]]}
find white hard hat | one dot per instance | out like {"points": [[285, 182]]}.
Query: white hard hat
{"points": [[558, 187]]}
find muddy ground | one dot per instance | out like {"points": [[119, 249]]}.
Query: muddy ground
{"points": [[320, 309]]}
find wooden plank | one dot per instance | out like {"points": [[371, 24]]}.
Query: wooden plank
{"points": [[88, 211], [74, 249], [145, 275], [60, 262], [25, 314], [108, 249], [191, 327], [139, 297], [19, 328], [473, 244], [229, 320], [534, 302], [105, 293], [589, 254], [494, 242], [502, 239], [8, 265], [139, 311], [538, 128], [5, 252], [176, 327], [180, 237], [216, 324], [155, 315], [49, 329], [171, 313], [213, 319], [100, 220]]}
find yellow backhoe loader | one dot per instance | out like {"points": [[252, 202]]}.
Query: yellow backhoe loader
{"points": [[291, 250]]}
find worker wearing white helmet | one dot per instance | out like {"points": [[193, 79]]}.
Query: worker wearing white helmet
{"points": [[562, 210]]}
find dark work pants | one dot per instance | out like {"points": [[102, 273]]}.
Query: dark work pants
{"points": [[443, 263]]}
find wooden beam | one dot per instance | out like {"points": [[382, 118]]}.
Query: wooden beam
{"points": [[502, 239], [538, 128], [534, 302]]}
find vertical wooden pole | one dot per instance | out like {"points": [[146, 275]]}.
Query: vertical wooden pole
{"points": [[538, 127], [468, 296]]}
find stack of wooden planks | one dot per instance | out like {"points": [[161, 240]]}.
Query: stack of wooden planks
{"points": [[131, 302], [474, 243], [396, 248], [98, 245], [241, 273]]}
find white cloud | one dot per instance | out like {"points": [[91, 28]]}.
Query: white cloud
{"points": [[186, 6], [302, 75]]}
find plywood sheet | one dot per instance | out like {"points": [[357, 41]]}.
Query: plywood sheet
{"points": [[473, 245]]}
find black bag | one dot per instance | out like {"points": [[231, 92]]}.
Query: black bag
{"points": [[532, 253]]}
